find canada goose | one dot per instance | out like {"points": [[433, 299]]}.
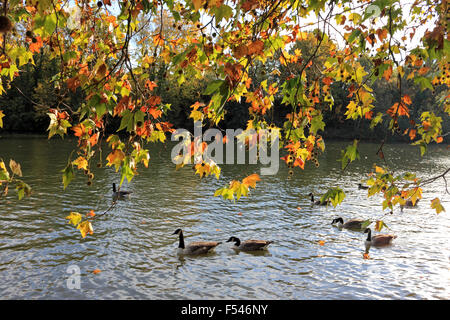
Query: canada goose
{"points": [[355, 224], [360, 186], [249, 245], [318, 202], [379, 240], [199, 247], [120, 194]]}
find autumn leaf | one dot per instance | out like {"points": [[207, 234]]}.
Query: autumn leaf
{"points": [[96, 271], [85, 228], [150, 85], [15, 168], [1, 116], [256, 47], [81, 162], [436, 204], [251, 180], [37, 45], [74, 218], [379, 225], [115, 158], [90, 214], [321, 242], [366, 256]]}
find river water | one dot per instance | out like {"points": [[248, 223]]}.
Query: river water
{"points": [[135, 250]]}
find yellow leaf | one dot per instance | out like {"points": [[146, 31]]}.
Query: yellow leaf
{"points": [[85, 227], [81, 162], [74, 218], [1, 116], [436, 204]]}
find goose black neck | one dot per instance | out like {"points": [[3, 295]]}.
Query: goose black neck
{"points": [[114, 187], [237, 242], [340, 220], [369, 235], [181, 241], [312, 198]]}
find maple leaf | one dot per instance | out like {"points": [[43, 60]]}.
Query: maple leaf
{"points": [[90, 214], [94, 139], [256, 47], [1, 116], [85, 228], [155, 112], [81, 162], [36, 46], [150, 85], [251, 180], [436, 204], [79, 130], [74, 218], [115, 158]]}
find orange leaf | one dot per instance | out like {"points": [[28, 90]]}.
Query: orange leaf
{"points": [[90, 214], [321, 242], [406, 99], [439, 139], [96, 271], [155, 112], [256, 47], [250, 181], [79, 130], [366, 256], [36, 46], [150, 85]]}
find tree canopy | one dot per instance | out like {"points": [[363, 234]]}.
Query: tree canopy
{"points": [[123, 63]]}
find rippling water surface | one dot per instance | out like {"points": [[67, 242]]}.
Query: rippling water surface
{"points": [[134, 247]]}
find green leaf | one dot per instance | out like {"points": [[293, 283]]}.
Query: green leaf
{"points": [[213, 86], [222, 12], [67, 175], [335, 195], [317, 124]]}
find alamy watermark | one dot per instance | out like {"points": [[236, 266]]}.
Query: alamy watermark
{"points": [[74, 280], [262, 146]]}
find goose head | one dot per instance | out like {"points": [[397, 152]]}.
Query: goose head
{"points": [[339, 221], [236, 241], [231, 239], [178, 231]]}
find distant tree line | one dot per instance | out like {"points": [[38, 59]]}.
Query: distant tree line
{"points": [[30, 96]]}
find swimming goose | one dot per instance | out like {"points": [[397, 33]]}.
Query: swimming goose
{"points": [[120, 194], [249, 245], [318, 202], [379, 240], [360, 186], [199, 247], [355, 224]]}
